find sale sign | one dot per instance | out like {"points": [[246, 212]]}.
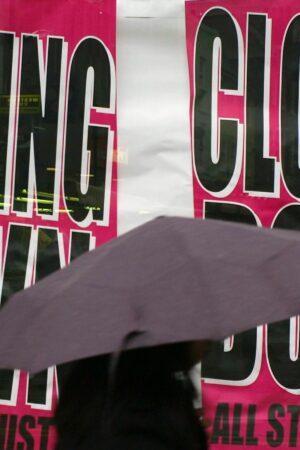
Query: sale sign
{"points": [[244, 75], [57, 165]]}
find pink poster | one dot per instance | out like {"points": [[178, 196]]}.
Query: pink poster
{"points": [[57, 166], [244, 75]]}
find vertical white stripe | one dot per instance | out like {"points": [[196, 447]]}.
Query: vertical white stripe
{"points": [[215, 85], [155, 177]]}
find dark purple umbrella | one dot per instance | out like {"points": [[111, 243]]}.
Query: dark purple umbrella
{"points": [[170, 280]]}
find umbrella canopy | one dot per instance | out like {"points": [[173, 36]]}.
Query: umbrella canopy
{"points": [[170, 280]]}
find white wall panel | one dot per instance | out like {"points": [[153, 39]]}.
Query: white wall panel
{"points": [[155, 168]]}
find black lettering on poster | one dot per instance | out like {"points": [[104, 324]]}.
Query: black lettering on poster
{"points": [[48, 261], [290, 108], [276, 436], [238, 363], [26, 423], [37, 124], [251, 439], [25, 432], [38, 141], [3, 428], [294, 411], [13, 281], [45, 423], [80, 244], [6, 62], [215, 173], [221, 429], [231, 212], [234, 365], [235, 425], [48, 253], [260, 171], [285, 370], [15, 267], [12, 432], [237, 439], [84, 141], [37, 388], [16, 260]]}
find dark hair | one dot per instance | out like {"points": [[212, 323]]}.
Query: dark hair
{"points": [[144, 404]]}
